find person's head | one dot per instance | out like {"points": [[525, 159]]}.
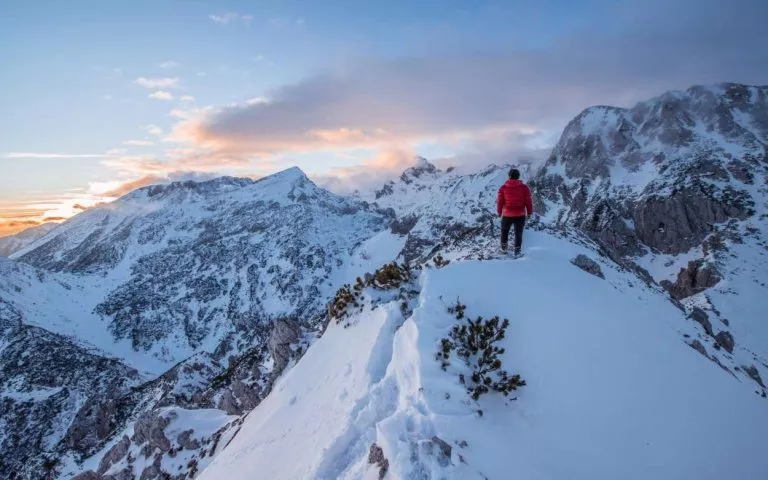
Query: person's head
{"points": [[514, 174]]}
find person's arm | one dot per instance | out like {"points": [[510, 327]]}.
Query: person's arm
{"points": [[528, 201], [499, 202]]}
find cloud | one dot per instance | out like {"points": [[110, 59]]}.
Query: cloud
{"points": [[139, 143], [161, 95], [107, 97], [40, 155], [387, 165], [152, 129], [169, 64], [12, 227], [284, 22], [187, 98], [118, 189], [230, 17], [157, 82], [383, 102]]}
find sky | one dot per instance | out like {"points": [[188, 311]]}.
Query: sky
{"points": [[98, 98]]}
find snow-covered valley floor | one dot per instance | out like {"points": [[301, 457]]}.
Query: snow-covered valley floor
{"points": [[612, 390]]}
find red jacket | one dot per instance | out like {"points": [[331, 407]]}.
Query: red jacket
{"points": [[514, 199]]}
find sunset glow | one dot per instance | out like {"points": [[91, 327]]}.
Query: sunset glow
{"points": [[140, 92]]}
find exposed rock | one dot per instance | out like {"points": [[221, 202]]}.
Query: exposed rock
{"points": [[754, 374], [124, 474], [284, 333], [696, 345], [695, 278], [115, 454], [588, 265], [702, 318], [402, 226], [439, 448], [153, 471], [184, 439], [88, 475], [149, 427], [725, 340], [677, 222]]}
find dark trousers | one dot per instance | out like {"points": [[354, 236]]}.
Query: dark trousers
{"points": [[506, 224]]}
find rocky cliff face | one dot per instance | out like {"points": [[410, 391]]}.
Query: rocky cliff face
{"points": [[675, 188], [661, 175]]}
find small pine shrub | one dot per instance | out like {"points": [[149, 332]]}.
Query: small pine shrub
{"points": [[439, 261], [475, 343], [391, 276]]}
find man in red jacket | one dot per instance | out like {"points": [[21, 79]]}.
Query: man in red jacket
{"points": [[513, 205]]}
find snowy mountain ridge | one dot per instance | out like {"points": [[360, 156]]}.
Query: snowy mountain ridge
{"points": [[210, 302]]}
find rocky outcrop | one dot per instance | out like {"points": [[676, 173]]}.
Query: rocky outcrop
{"points": [[285, 332], [702, 318], [754, 374], [186, 441], [588, 265], [677, 222], [150, 428], [695, 278], [115, 454], [88, 475], [725, 340]]}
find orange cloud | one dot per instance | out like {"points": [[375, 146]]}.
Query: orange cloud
{"points": [[387, 165], [11, 226]]}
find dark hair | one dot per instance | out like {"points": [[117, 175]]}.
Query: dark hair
{"points": [[514, 174]]}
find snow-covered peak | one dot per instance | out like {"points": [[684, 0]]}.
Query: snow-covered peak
{"points": [[422, 168]]}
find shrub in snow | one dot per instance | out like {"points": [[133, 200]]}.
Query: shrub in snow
{"points": [[439, 261], [392, 276], [376, 457], [475, 343]]}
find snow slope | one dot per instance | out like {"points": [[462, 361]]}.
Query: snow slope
{"points": [[612, 391]]}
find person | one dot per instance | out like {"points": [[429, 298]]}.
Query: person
{"points": [[513, 205]]}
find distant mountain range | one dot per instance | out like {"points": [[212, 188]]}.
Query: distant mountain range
{"points": [[13, 243]]}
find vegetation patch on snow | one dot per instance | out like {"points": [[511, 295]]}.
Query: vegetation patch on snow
{"points": [[476, 344]]}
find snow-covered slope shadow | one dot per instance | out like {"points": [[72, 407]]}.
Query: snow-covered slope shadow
{"points": [[612, 390]]}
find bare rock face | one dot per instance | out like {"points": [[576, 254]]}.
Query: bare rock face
{"points": [[649, 178], [284, 333], [696, 345], [149, 427], [115, 454], [88, 475], [725, 340], [588, 265], [184, 439], [702, 318], [695, 278], [754, 374], [153, 471], [675, 223]]}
